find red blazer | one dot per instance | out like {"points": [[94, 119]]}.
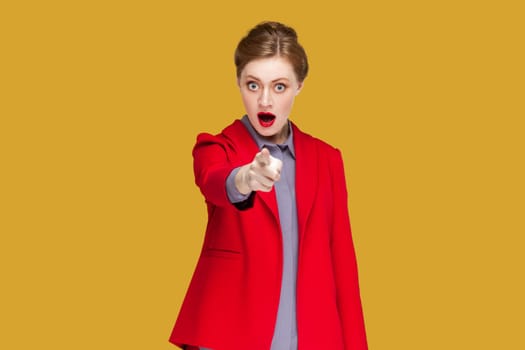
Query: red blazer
{"points": [[232, 300]]}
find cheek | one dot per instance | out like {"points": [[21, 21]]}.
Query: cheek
{"points": [[249, 98], [286, 102], [247, 102]]}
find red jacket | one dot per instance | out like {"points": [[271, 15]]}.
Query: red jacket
{"points": [[232, 300]]}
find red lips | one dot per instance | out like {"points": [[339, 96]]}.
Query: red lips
{"points": [[266, 119]]}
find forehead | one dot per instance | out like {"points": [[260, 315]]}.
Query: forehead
{"points": [[269, 69]]}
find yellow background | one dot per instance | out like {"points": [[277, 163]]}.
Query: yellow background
{"points": [[100, 103]]}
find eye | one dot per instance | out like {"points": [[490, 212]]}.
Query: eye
{"points": [[280, 87], [253, 86]]}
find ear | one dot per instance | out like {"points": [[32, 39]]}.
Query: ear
{"points": [[299, 88]]}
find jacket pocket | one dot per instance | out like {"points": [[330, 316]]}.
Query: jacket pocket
{"points": [[222, 253]]}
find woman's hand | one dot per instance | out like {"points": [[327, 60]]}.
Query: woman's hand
{"points": [[260, 174]]}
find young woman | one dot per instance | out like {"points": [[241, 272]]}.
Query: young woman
{"points": [[277, 269]]}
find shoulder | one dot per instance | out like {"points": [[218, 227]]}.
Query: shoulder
{"points": [[226, 134], [234, 141], [323, 148], [232, 137]]}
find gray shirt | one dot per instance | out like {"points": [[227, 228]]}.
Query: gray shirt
{"points": [[285, 333]]}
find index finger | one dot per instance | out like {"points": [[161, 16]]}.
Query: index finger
{"points": [[263, 157]]}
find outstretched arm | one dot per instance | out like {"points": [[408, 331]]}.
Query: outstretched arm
{"points": [[212, 167]]}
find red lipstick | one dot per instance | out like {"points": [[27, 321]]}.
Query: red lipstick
{"points": [[266, 119]]}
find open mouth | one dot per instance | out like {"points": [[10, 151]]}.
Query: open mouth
{"points": [[266, 119]]}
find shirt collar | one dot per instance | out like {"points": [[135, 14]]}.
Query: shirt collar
{"points": [[261, 142]]}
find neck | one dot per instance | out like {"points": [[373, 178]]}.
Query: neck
{"points": [[280, 137]]}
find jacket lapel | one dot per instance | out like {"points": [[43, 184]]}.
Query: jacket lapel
{"points": [[306, 176]]}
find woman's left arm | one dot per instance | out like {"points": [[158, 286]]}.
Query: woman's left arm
{"points": [[344, 262]]}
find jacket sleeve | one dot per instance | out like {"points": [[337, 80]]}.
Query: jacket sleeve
{"points": [[211, 166], [213, 161], [345, 264]]}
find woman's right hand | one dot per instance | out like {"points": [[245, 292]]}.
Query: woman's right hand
{"points": [[260, 174]]}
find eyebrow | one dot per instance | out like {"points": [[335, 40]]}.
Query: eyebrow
{"points": [[273, 81]]}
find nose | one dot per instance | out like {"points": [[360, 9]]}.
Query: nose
{"points": [[265, 99]]}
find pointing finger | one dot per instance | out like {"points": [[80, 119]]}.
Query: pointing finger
{"points": [[263, 157]]}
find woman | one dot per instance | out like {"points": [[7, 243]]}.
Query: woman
{"points": [[277, 268]]}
